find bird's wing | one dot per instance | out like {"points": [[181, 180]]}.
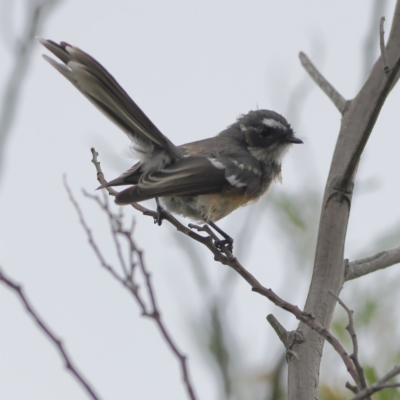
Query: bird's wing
{"points": [[188, 176], [92, 80], [130, 177]]}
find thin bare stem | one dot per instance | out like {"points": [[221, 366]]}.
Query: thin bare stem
{"points": [[379, 385], [350, 328], [386, 67], [364, 266], [50, 334], [89, 234], [115, 226], [23, 52], [337, 99], [167, 336], [151, 311]]}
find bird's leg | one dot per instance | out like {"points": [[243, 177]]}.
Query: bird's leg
{"points": [[228, 241], [158, 219]]}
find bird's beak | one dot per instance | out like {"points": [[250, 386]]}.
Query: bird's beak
{"points": [[294, 140]]}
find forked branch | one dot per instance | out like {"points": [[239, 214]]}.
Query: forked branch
{"points": [[379, 385], [337, 99], [224, 256], [130, 264]]}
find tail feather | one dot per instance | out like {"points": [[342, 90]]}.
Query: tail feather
{"points": [[100, 87]]}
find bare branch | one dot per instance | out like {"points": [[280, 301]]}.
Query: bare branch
{"points": [[354, 356], [289, 339], [351, 387], [391, 374], [337, 99], [310, 321], [23, 53], [135, 257], [364, 266], [224, 256], [366, 125], [379, 385], [371, 45], [386, 67], [329, 269], [50, 334], [279, 329], [365, 394], [89, 234]]}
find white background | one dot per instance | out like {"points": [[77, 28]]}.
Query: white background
{"points": [[193, 67]]}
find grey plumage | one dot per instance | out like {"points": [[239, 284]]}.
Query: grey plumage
{"points": [[204, 180]]}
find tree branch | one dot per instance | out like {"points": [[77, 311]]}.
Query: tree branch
{"points": [[310, 321], [354, 356], [337, 99], [329, 268], [364, 266], [379, 385], [367, 124], [23, 51], [50, 334], [224, 256], [136, 261], [279, 329]]}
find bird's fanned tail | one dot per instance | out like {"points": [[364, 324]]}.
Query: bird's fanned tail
{"points": [[100, 87]]}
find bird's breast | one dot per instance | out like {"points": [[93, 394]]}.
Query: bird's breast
{"points": [[206, 207]]}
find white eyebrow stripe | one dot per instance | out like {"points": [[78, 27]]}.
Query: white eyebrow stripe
{"points": [[234, 181], [217, 164], [272, 123]]}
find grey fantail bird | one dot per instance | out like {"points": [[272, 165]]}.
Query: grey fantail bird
{"points": [[203, 180]]}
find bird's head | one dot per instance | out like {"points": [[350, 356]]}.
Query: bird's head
{"points": [[267, 134]]}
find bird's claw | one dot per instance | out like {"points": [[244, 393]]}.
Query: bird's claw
{"points": [[158, 219], [224, 242]]}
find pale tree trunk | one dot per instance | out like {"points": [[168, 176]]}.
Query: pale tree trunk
{"points": [[358, 118]]}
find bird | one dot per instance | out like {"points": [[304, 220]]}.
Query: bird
{"points": [[203, 180]]}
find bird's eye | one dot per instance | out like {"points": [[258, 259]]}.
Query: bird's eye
{"points": [[267, 132]]}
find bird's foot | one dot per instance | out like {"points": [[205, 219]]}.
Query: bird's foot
{"points": [[226, 241], [158, 219]]}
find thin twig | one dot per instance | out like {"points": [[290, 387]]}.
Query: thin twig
{"points": [[115, 226], [354, 356], [371, 45], [23, 52], [386, 67], [50, 334], [167, 336], [337, 99], [89, 234], [152, 311], [380, 384], [364, 266]]}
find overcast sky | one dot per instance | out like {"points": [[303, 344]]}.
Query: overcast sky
{"points": [[193, 67]]}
